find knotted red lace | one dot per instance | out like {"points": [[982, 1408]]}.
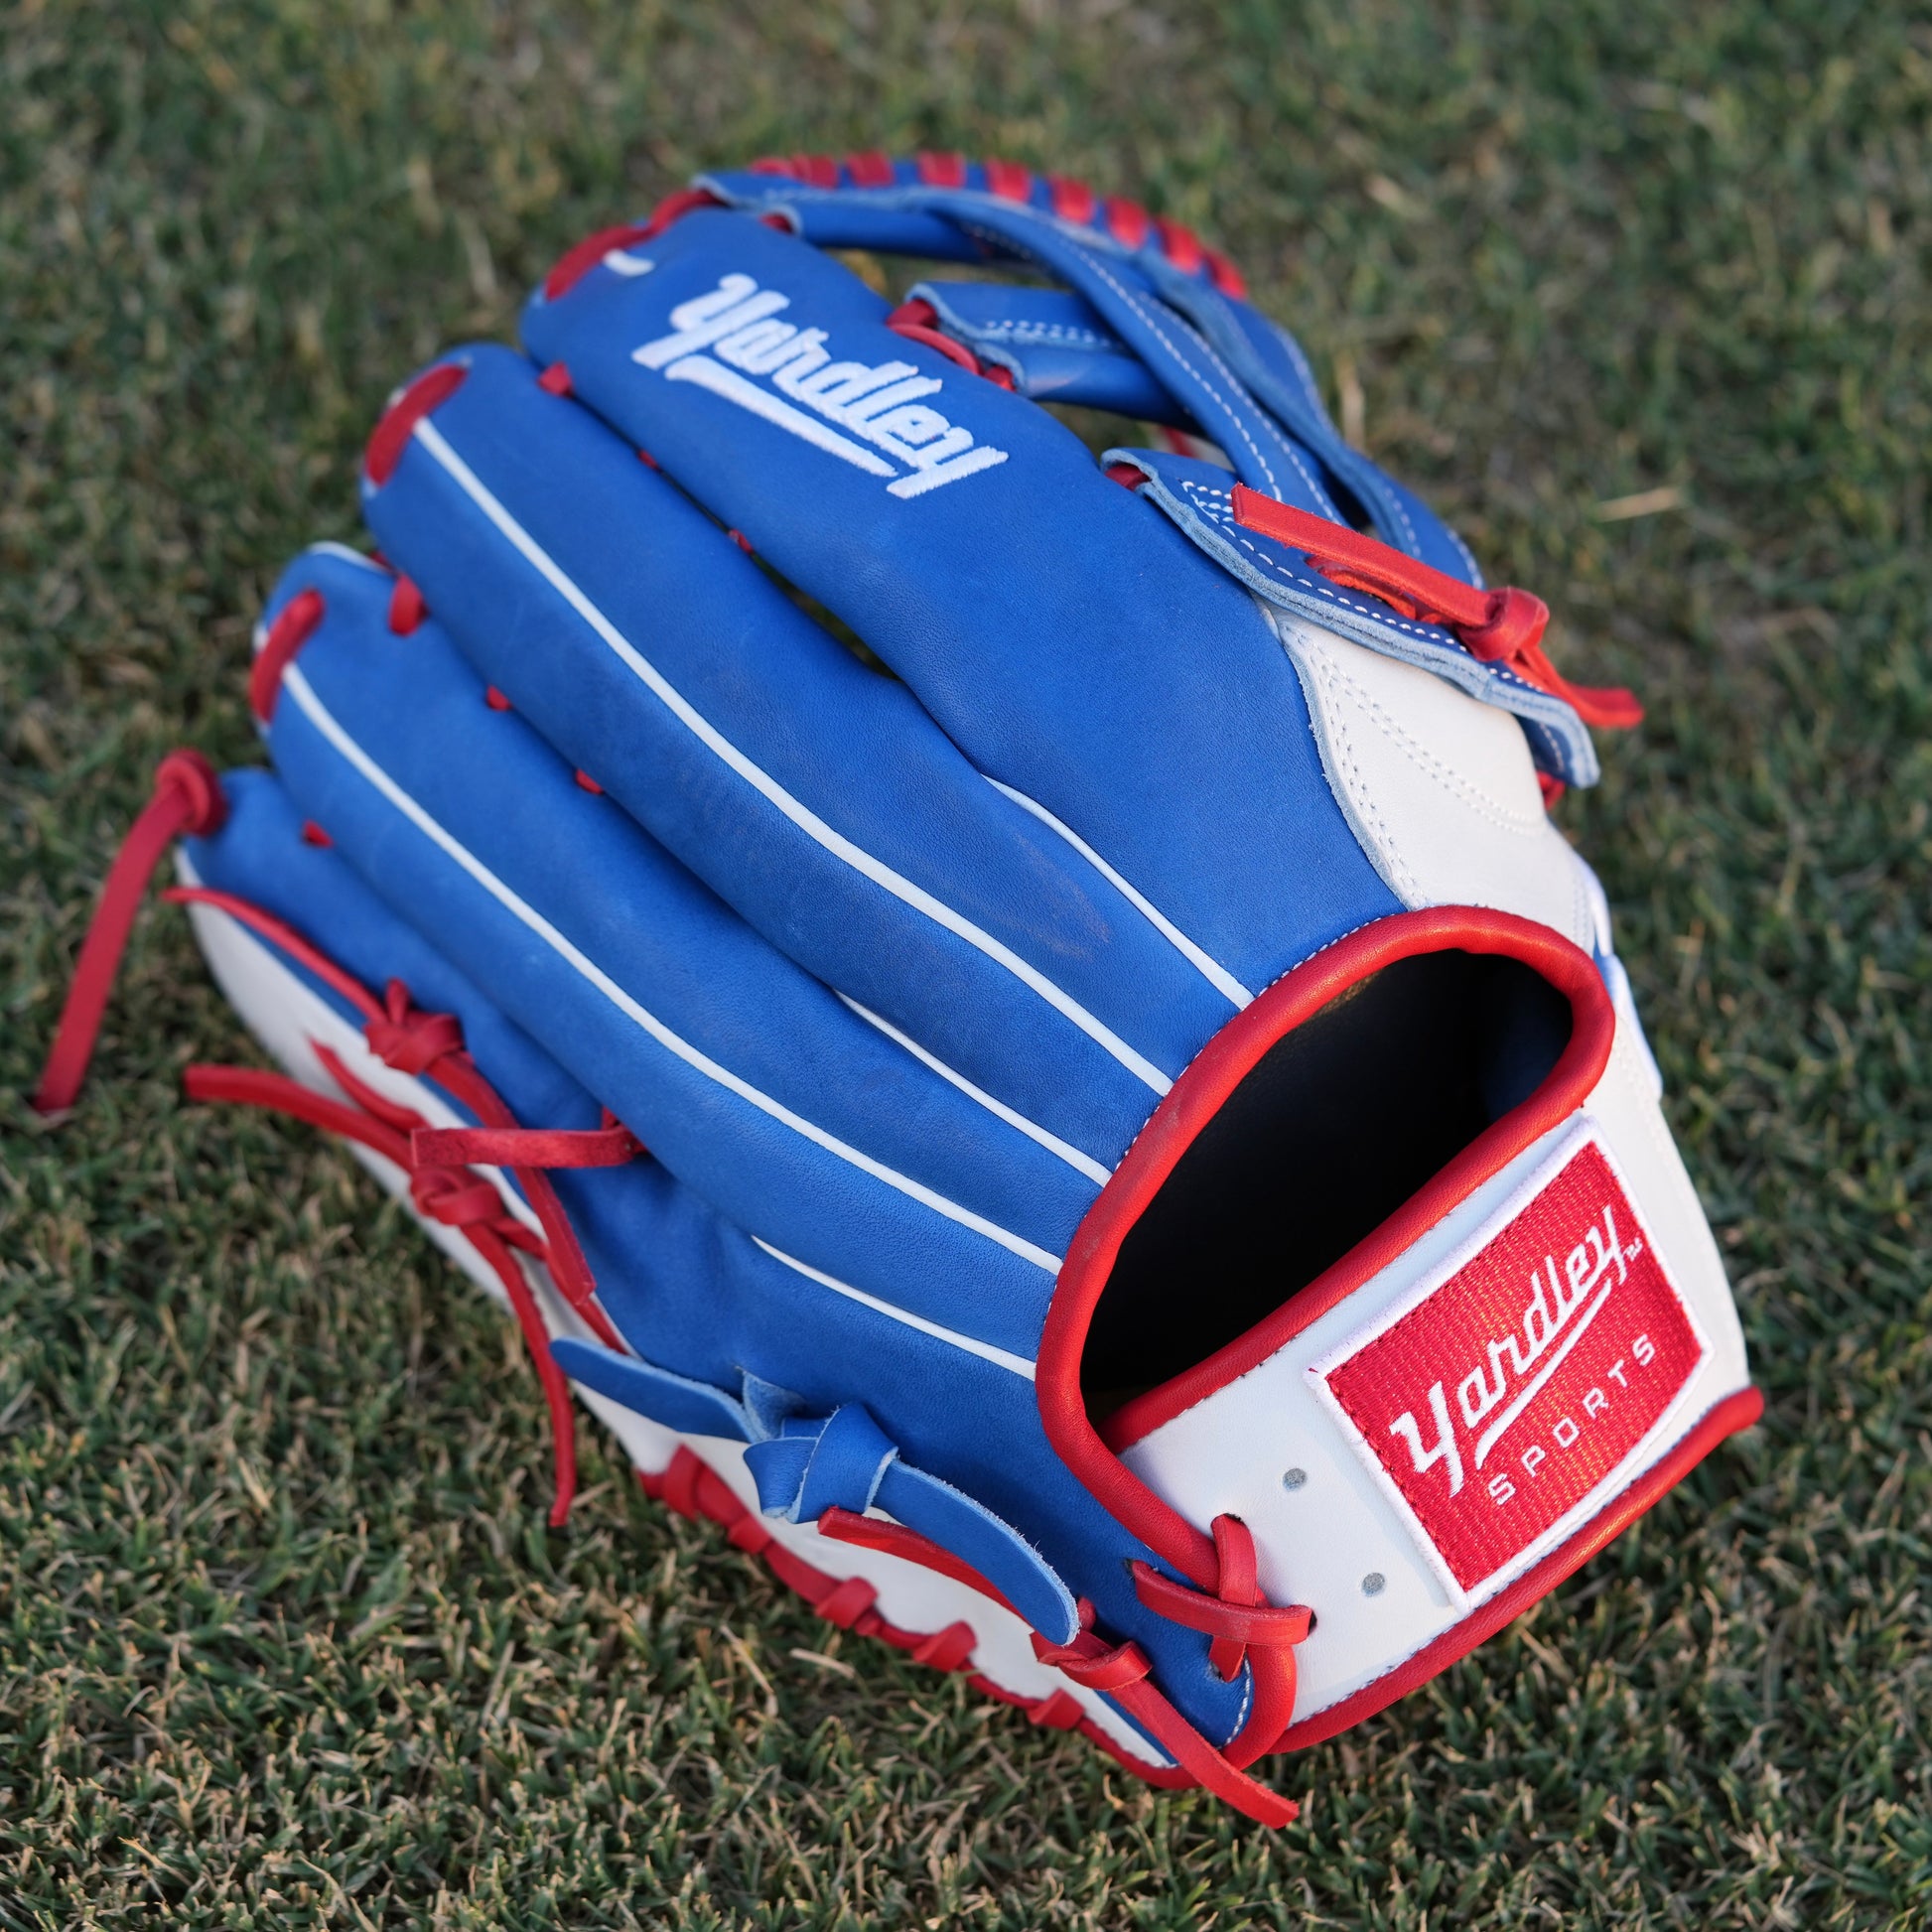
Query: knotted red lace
{"points": [[1122, 1672], [440, 1162], [1499, 626], [1245, 1629], [454, 1197]]}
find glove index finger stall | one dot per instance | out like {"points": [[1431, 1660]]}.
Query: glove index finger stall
{"points": [[1114, 1152]]}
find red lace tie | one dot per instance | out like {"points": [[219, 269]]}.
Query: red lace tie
{"points": [[413, 1042], [1498, 626], [1122, 1671], [187, 799], [448, 1194], [609, 1146], [468, 1204], [403, 1037], [1245, 1629], [443, 1183]]}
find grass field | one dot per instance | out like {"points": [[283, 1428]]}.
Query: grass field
{"points": [[282, 1639]]}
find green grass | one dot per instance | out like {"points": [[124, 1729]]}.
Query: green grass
{"points": [[282, 1641]]}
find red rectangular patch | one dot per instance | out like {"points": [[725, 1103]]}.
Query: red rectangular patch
{"points": [[1498, 1401]]}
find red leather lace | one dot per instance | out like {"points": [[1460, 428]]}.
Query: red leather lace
{"points": [[1244, 1625], [407, 608], [397, 424], [440, 1161], [917, 322], [1245, 1629], [1122, 1671], [1499, 626], [935, 170], [609, 1146], [578, 262], [471, 1205], [1074, 201], [294, 625], [187, 798], [899, 1540], [412, 1041]]}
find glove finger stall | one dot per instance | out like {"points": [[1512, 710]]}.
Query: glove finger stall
{"points": [[753, 1081], [813, 795], [1061, 634], [704, 1305]]}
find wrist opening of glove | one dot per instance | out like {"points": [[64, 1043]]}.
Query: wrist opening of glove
{"points": [[1322, 1131], [1350, 1113]]}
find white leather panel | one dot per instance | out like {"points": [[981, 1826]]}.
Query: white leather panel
{"points": [[1439, 789]]}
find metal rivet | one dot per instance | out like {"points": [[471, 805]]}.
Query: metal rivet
{"points": [[1295, 1478], [1374, 1584]]}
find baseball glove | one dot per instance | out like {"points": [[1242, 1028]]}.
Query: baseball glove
{"points": [[1155, 1189]]}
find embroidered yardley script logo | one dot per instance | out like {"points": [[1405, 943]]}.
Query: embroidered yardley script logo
{"points": [[875, 417], [1511, 1388], [1558, 1311]]}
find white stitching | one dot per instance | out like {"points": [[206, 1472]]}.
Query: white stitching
{"points": [[1247, 1701], [1423, 634], [1227, 375], [1394, 499], [1582, 909], [1542, 733], [1037, 332], [1281, 570], [1384, 489], [1520, 823], [1405, 881], [1101, 268], [1298, 356], [1160, 335]]}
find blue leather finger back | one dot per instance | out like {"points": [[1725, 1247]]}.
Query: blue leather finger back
{"points": [[703, 1303], [813, 795], [1065, 636], [754, 1082]]}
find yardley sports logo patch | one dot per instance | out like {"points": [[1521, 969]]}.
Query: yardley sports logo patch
{"points": [[1498, 1400], [877, 417]]}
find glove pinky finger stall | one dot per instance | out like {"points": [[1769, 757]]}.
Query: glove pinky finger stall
{"points": [[1100, 1133]]}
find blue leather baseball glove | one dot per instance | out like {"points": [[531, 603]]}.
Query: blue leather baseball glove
{"points": [[1011, 1017]]}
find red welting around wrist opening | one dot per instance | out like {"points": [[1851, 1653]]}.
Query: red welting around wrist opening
{"points": [[1196, 1099]]}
